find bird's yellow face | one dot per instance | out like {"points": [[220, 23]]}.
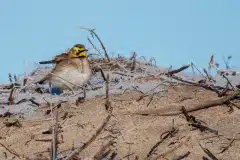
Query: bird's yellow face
{"points": [[78, 52]]}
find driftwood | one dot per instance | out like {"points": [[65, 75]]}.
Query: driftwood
{"points": [[205, 105]]}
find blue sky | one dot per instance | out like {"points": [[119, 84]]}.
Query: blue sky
{"points": [[175, 32]]}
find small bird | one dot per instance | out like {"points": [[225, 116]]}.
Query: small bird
{"points": [[72, 69]]}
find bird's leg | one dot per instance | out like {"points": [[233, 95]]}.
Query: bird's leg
{"points": [[50, 87], [82, 99]]}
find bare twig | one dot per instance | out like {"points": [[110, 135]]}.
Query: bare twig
{"points": [[181, 143], [91, 139], [25, 100], [10, 78], [11, 96], [209, 153], [94, 46], [102, 149], [228, 82], [100, 41], [196, 123], [10, 150], [170, 133], [151, 99], [179, 70], [193, 65], [55, 135], [228, 146], [107, 103]]}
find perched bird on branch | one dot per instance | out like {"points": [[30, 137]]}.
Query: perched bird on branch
{"points": [[71, 69]]}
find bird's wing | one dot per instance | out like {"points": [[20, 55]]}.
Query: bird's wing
{"points": [[61, 57]]}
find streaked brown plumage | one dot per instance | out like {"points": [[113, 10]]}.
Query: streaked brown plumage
{"points": [[71, 70]]}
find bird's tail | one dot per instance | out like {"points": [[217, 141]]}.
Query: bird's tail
{"points": [[47, 62]]}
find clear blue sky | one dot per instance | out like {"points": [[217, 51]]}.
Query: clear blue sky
{"points": [[175, 32]]}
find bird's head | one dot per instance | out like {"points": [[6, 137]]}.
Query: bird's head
{"points": [[79, 50]]}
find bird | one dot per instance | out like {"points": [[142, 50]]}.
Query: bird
{"points": [[71, 69]]}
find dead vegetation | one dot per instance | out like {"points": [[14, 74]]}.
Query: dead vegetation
{"points": [[131, 109]]}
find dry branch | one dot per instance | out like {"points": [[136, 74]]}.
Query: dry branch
{"points": [[170, 133], [103, 149], [10, 150], [94, 46], [181, 143], [179, 70], [11, 96], [209, 153], [197, 123], [205, 105], [91, 139], [228, 146], [55, 136], [107, 102], [211, 88], [26, 100]]}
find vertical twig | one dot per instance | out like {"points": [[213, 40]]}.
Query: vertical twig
{"points": [[229, 82], [107, 102], [15, 78], [133, 65], [94, 46], [10, 78], [54, 133], [11, 96]]}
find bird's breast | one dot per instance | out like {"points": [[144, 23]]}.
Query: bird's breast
{"points": [[70, 76]]}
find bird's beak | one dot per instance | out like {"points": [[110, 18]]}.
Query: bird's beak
{"points": [[79, 52], [82, 53]]}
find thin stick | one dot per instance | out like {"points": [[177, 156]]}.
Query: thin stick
{"points": [[94, 46], [229, 82], [85, 145], [179, 70], [11, 96], [10, 150], [102, 149], [93, 32], [209, 153], [228, 146], [54, 150], [169, 133], [182, 142]]}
